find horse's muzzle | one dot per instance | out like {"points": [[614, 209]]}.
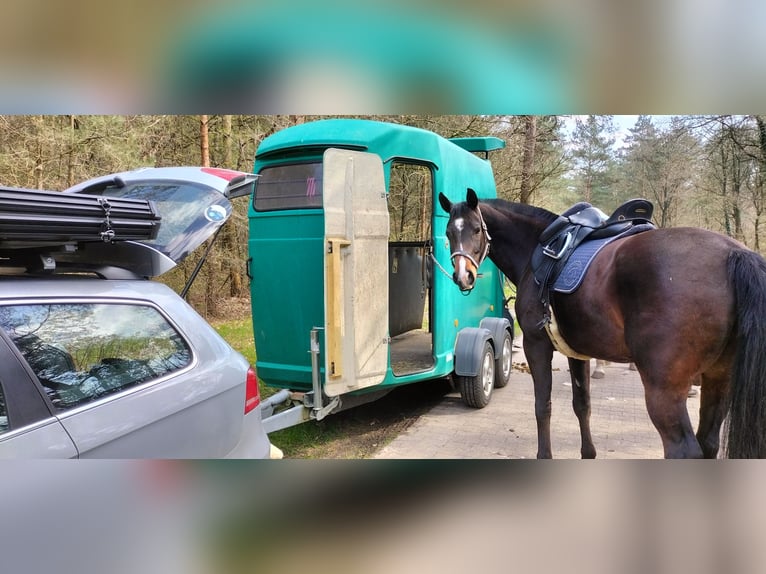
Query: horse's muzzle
{"points": [[466, 270], [468, 281]]}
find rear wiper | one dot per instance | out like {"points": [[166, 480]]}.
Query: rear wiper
{"points": [[240, 185]]}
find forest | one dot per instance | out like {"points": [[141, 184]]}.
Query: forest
{"points": [[704, 171]]}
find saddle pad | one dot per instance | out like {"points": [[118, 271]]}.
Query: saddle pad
{"points": [[574, 270]]}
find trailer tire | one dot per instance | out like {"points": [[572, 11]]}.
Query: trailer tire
{"points": [[477, 390], [504, 360]]}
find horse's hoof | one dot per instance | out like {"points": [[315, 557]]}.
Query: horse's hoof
{"points": [[598, 374]]}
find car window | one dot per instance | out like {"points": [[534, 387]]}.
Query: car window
{"points": [[3, 412], [81, 352], [189, 211]]}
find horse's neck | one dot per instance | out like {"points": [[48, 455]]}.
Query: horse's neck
{"points": [[515, 230]]}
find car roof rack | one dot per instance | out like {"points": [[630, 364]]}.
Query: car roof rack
{"points": [[90, 233]]}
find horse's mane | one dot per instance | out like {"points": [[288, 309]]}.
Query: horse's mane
{"points": [[521, 209]]}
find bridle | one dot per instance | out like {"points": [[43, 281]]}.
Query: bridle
{"points": [[468, 256]]}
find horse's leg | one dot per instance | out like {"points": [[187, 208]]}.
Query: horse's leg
{"points": [[598, 372], [539, 354], [715, 385], [579, 371], [666, 405]]}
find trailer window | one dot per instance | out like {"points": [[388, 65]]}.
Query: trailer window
{"points": [[295, 186]]}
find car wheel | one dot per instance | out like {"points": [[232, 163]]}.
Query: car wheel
{"points": [[477, 390], [504, 362]]}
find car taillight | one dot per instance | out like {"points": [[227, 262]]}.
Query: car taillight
{"points": [[252, 396]]}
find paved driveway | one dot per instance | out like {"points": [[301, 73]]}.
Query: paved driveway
{"points": [[506, 427]]}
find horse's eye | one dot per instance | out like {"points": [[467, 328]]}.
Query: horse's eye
{"points": [[476, 230]]}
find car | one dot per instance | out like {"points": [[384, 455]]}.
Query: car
{"points": [[96, 359]]}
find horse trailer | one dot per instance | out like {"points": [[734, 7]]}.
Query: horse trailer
{"points": [[347, 248]]}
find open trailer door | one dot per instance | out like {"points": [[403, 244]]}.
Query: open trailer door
{"points": [[355, 271]]}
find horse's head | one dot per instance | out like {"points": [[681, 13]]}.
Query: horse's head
{"points": [[468, 238]]}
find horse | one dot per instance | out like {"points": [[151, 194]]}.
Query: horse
{"points": [[685, 305]]}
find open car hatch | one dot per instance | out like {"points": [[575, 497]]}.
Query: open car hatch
{"points": [[193, 203]]}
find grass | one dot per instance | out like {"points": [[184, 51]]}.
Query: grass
{"points": [[355, 433], [293, 441]]}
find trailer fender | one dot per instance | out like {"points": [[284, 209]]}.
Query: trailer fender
{"points": [[468, 347], [497, 327]]}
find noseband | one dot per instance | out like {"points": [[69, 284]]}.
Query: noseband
{"points": [[468, 255]]}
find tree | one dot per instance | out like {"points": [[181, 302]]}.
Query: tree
{"points": [[758, 185], [204, 141], [593, 156], [734, 176], [534, 160], [659, 165], [527, 166]]}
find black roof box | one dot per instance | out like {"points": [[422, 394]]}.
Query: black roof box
{"points": [[48, 231], [32, 217]]}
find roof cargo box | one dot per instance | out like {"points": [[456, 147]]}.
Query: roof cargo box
{"points": [[29, 217]]}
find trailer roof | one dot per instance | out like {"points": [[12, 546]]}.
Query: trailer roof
{"points": [[385, 139]]}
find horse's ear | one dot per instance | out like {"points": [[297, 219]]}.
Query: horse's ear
{"points": [[471, 199], [444, 202]]}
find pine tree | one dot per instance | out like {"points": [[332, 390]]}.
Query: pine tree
{"points": [[593, 155]]}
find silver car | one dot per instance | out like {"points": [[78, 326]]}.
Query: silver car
{"points": [[97, 360]]}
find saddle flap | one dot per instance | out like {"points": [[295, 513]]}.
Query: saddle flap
{"points": [[558, 225]]}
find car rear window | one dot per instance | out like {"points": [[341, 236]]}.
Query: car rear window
{"points": [[187, 209], [294, 186], [82, 352]]}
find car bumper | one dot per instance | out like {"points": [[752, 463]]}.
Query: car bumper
{"points": [[254, 442]]}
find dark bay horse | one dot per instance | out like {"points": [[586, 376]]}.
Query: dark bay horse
{"points": [[684, 304]]}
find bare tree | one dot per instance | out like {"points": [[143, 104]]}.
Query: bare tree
{"points": [[527, 165]]}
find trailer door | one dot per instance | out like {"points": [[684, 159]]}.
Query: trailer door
{"points": [[355, 271]]}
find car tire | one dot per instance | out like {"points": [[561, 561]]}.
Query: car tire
{"points": [[476, 391]]}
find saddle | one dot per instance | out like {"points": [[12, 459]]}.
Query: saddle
{"points": [[583, 223]]}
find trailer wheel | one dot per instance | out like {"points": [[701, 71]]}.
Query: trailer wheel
{"points": [[477, 390], [504, 361]]}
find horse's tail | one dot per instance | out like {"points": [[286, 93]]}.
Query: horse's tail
{"points": [[746, 427]]}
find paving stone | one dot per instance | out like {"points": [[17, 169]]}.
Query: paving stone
{"points": [[506, 428]]}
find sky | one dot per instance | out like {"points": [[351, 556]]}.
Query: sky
{"points": [[622, 123]]}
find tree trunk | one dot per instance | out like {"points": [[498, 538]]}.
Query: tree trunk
{"points": [[70, 156], [211, 301], [528, 162], [761, 123], [38, 168], [231, 250], [204, 141], [736, 184], [227, 142]]}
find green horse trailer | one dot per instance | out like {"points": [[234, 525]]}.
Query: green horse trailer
{"points": [[347, 256]]}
